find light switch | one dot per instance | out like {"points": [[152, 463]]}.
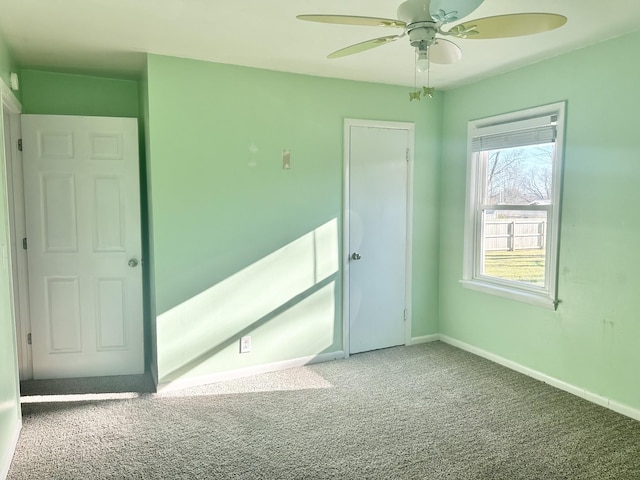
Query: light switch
{"points": [[286, 160]]}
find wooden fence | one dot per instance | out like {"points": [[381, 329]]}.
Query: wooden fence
{"points": [[510, 235]]}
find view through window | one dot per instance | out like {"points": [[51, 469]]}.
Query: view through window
{"points": [[515, 212]]}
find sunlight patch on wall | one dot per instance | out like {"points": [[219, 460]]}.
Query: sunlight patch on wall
{"points": [[210, 322], [308, 324], [300, 330]]}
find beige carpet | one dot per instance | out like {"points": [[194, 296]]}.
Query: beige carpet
{"points": [[423, 412]]}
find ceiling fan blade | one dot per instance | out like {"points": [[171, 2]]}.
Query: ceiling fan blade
{"points": [[452, 10], [354, 20], [504, 26], [363, 46], [444, 52]]}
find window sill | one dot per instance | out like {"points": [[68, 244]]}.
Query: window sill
{"points": [[538, 299]]}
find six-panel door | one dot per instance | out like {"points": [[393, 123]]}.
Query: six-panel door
{"points": [[83, 227]]}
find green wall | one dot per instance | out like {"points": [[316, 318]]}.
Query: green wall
{"points": [[591, 341], [233, 233], [54, 93], [7, 65], [6, 62], [9, 394]]}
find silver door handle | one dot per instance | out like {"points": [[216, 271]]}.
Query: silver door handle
{"points": [[133, 263], [356, 256]]}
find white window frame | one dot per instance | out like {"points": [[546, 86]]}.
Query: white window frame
{"points": [[546, 296]]}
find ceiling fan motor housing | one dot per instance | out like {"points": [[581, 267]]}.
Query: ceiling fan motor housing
{"points": [[420, 26], [422, 33]]}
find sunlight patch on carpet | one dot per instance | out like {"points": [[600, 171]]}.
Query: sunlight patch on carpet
{"points": [[79, 397], [299, 378]]}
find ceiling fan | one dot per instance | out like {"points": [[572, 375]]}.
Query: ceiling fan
{"points": [[423, 21]]}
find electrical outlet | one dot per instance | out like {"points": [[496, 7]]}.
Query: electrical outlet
{"points": [[245, 344]]}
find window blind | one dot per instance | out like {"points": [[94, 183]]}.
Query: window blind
{"points": [[516, 138]]}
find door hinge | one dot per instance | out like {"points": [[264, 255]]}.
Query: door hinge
{"points": [[24, 243], [20, 145], [405, 314], [408, 155], [28, 339]]}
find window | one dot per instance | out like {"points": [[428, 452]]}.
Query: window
{"points": [[513, 203]]}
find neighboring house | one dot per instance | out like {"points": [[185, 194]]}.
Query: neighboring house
{"points": [[210, 216]]}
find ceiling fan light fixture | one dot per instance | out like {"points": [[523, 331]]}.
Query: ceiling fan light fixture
{"points": [[422, 60]]}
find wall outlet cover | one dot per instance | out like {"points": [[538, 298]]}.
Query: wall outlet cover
{"points": [[245, 344]]}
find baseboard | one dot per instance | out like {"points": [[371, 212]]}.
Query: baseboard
{"points": [[554, 382], [247, 372], [424, 339], [6, 461]]}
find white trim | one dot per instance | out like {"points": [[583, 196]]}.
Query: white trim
{"points": [[13, 443], [408, 282], [9, 99], [554, 382], [17, 227], [519, 294], [10, 104], [623, 409], [346, 199], [248, 371], [15, 210], [410, 128], [423, 339]]}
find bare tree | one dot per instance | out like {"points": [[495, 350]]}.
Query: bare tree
{"points": [[537, 176], [519, 175]]}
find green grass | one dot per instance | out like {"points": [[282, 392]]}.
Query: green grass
{"points": [[520, 265]]}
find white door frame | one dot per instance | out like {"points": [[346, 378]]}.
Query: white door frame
{"points": [[15, 206], [410, 127]]}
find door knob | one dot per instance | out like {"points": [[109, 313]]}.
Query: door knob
{"points": [[133, 263], [356, 256]]}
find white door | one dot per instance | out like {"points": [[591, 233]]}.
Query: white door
{"points": [[82, 207], [378, 185]]}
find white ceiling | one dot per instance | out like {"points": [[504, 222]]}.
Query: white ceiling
{"points": [[111, 36]]}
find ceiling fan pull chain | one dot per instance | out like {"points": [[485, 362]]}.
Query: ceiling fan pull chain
{"points": [[428, 90], [415, 94]]}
